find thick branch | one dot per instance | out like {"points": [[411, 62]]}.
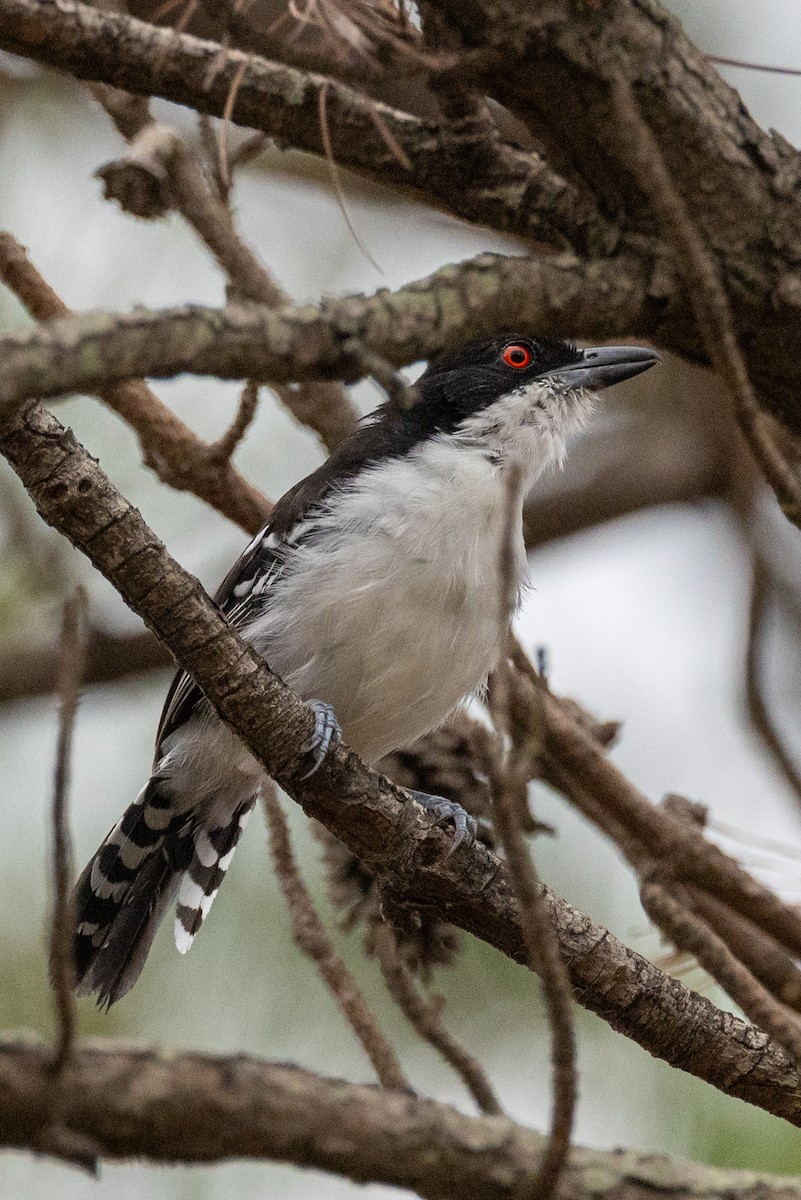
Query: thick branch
{"points": [[389, 833], [168, 1107], [235, 342], [488, 181]]}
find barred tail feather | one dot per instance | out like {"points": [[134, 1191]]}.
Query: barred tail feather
{"points": [[153, 854], [213, 851], [117, 963], [123, 893]]}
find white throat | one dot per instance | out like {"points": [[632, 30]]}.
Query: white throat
{"points": [[530, 425]]}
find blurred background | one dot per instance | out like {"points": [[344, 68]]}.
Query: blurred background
{"points": [[644, 616]]}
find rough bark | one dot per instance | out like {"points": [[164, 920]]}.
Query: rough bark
{"points": [[124, 1103], [456, 303], [487, 181]]}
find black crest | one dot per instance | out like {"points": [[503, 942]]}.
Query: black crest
{"points": [[463, 382]]}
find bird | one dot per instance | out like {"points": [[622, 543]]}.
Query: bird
{"points": [[373, 590]]}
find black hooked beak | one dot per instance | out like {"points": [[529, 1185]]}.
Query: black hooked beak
{"points": [[601, 366]]}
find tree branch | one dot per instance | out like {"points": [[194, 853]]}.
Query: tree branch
{"points": [[513, 190], [324, 406], [643, 156], [457, 302], [166, 1106], [173, 451], [753, 222], [26, 669]]}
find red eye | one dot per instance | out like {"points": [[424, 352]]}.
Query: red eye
{"points": [[517, 356]]}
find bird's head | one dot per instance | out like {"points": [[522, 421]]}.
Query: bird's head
{"points": [[517, 395]]}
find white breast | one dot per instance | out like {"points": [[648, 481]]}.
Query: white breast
{"points": [[397, 618]]}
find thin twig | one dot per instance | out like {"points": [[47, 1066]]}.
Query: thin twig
{"points": [[402, 394], [312, 937], [390, 139], [72, 656], [228, 112], [757, 707], [336, 183], [225, 446], [186, 16], [248, 149], [722, 61], [539, 935], [640, 152], [423, 1013]]}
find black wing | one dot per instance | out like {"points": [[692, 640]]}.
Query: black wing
{"points": [[239, 596]]}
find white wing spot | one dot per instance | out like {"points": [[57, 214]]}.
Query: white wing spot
{"points": [[101, 886]]}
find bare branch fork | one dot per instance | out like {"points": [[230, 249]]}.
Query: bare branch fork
{"points": [[325, 407], [173, 450]]}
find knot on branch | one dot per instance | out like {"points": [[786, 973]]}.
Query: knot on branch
{"points": [[140, 180]]}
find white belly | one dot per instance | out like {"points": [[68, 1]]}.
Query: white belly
{"points": [[393, 625]]}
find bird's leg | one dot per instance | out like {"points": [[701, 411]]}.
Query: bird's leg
{"points": [[448, 810], [326, 734]]}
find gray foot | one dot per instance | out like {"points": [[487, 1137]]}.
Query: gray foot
{"points": [[326, 734], [444, 810]]}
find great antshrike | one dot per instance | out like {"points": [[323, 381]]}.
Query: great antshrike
{"points": [[373, 591]]}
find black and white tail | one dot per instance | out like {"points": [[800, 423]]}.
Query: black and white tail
{"points": [[150, 856]]}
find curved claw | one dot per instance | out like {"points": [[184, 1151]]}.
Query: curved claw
{"points": [[326, 734], [465, 826]]}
